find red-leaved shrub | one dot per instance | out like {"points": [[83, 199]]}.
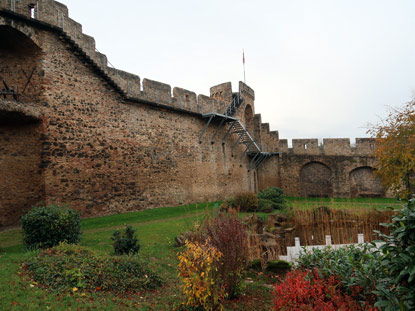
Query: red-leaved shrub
{"points": [[229, 236], [302, 290]]}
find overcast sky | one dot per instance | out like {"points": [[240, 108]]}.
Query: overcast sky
{"points": [[319, 68]]}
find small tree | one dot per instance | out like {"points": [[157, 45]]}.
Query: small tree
{"points": [[125, 242], [395, 150], [272, 197]]}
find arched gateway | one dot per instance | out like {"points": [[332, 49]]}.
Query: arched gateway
{"points": [[20, 146], [363, 183], [316, 180]]}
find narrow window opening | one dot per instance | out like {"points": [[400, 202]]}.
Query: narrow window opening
{"points": [[372, 146], [305, 146], [32, 10]]}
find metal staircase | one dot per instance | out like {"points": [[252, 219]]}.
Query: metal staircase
{"points": [[251, 149], [233, 107]]}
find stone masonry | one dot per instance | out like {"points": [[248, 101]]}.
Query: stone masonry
{"points": [[334, 168], [104, 141]]}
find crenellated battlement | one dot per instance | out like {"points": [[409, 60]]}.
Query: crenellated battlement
{"points": [[246, 90], [126, 81], [266, 138], [222, 94], [330, 146], [57, 15], [185, 99]]}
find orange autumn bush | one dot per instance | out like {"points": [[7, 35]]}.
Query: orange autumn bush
{"points": [[199, 273]]}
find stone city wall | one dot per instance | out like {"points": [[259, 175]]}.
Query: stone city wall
{"points": [[56, 15], [106, 141], [333, 168], [100, 150], [21, 182]]}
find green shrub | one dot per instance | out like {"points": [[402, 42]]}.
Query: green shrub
{"points": [[278, 266], [65, 267], [386, 276], [47, 226], [255, 265], [357, 268], [396, 286], [272, 197], [125, 242], [265, 206], [246, 202]]}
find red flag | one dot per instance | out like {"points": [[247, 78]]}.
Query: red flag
{"points": [[243, 60]]}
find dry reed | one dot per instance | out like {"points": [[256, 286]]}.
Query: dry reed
{"points": [[312, 225], [257, 250]]}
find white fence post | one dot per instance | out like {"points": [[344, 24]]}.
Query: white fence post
{"points": [[328, 240], [293, 252]]}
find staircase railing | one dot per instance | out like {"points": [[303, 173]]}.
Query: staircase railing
{"points": [[236, 127], [233, 107]]}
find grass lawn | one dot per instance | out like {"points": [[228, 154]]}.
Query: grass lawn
{"points": [[156, 230], [359, 203]]}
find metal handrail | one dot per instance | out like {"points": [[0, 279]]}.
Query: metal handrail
{"points": [[233, 105], [243, 136], [249, 136]]}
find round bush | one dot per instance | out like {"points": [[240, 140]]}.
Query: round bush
{"points": [[246, 202], [271, 197], [47, 226], [265, 206]]}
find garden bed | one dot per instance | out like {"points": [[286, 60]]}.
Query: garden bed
{"points": [[156, 230]]}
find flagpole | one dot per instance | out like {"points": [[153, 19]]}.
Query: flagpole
{"points": [[243, 60]]}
